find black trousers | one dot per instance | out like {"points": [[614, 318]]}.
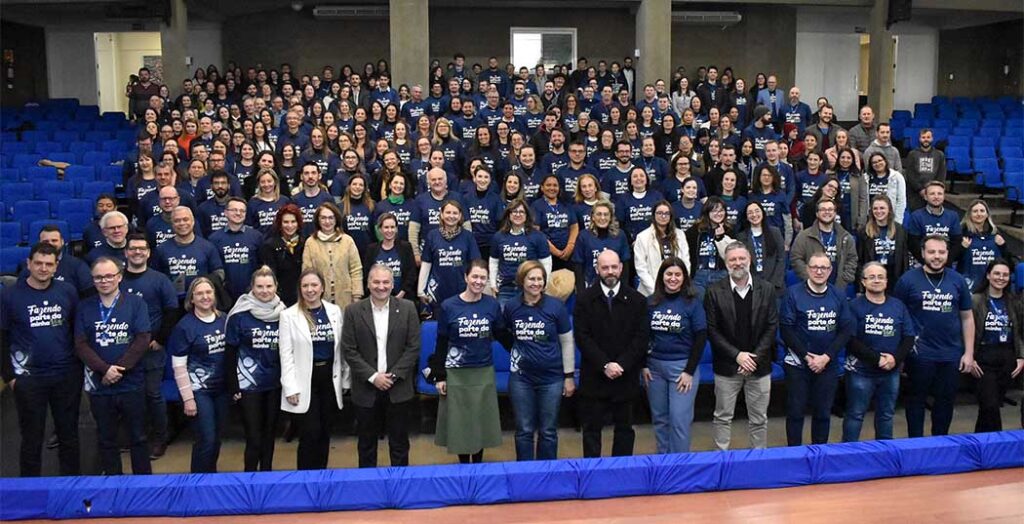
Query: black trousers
{"points": [[394, 417], [63, 394], [112, 412], [997, 362], [592, 416], [315, 424], [260, 411]]}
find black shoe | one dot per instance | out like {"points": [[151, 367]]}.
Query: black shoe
{"points": [[53, 442], [290, 430], [158, 451]]}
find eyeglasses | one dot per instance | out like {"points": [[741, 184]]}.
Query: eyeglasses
{"points": [[517, 212], [105, 278], [115, 228], [138, 248], [662, 213], [819, 269]]}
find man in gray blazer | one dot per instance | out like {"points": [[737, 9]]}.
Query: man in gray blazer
{"points": [[381, 340]]}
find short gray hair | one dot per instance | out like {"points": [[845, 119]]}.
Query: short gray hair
{"points": [[381, 267], [112, 214], [734, 245]]}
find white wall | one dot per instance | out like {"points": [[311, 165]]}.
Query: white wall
{"points": [[917, 54], [827, 65], [71, 64], [204, 46], [71, 56]]}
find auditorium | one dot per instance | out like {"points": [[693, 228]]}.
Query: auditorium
{"points": [[512, 260]]}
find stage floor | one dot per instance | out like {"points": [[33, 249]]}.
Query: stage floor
{"points": [[989, 496]]}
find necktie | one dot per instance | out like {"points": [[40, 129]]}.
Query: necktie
{"points": [[611, 296]]}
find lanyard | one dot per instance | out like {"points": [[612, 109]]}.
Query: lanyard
{"points": [[106, 312]]}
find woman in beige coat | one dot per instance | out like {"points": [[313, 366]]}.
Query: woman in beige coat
{"points": [[334, 255]]}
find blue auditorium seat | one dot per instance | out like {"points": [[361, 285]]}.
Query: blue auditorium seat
{"points": [[10, 234], [28, 211], [37, 225], [10, 257]]}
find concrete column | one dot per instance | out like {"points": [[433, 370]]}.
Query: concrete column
{"points": [[881, 63], [654, 40], [174, 46], [410, 42]]}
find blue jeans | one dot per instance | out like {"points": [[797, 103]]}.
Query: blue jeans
{"points": [[940, 380], [706, 277], [536, 411], [110, 412], [860, 389], [506, 293], [804, 387], [208, 425], [671, 411]]}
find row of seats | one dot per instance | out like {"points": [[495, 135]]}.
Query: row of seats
{"points": [[76, 211], [95, 141], [76, 174]]}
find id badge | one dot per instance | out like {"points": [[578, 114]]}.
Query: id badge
{"points": [[760, 267], [711, 264], [1004, 337], [884, 261]]}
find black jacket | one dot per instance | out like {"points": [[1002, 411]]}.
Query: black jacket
{"points": [[723, 326], [287, 266], [898, 261], [602, 336], [408, 260], [774, 270]]}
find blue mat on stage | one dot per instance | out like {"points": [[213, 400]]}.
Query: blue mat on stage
{"points": [[435, 486]]}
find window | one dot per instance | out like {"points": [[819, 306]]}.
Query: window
{"points": [[543, 45]]}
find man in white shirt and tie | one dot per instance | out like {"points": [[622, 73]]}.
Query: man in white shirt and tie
{"points": [[381, 340]]}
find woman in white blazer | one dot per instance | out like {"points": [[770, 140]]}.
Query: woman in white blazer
{"points": [[313, 371], [878, 173], [662, 240]]}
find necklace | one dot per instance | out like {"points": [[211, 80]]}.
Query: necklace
{"points": [[938, 287]]}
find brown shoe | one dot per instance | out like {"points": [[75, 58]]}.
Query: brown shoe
{"points": [[158, 451]]}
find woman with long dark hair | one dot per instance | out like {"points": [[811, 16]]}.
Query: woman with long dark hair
{"points": [[998, 341], [711, 230], [678, 332]]}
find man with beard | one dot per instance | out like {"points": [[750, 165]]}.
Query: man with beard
{"points": [[825, 130], [760, 130], [816, 323], [612, 336], [924, 165], [828, 237], [159, 228], [940, 302], [211, 212], [743, 317]]}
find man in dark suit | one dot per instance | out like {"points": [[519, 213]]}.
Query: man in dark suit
{"points": [[743, 317], [381, 340], [612, 336]]}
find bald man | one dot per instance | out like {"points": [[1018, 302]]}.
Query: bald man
{"points": [[187, 256], [612, 336]]}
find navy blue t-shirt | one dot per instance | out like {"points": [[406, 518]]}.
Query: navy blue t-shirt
{"points": [[635, 213], [357, 224], [588, 246], [975, 258], [427, 211], [259, 363], [240, 253], [536, 350], [615, 182], [484, 213], [261, 214], [109, 332], [184, 263], [996, 330], [512, 250], [159, 231], [38, 324], [922, 223], [203, 344], [448, 260], [69, 269], [686, 218], [775, 207], [391, 259], [880, 327], [403, 214], [935, 302], [469, 327], [308, 206], [673, 324], [818, 319], [156, 291], [553, 220], [323, 336]]}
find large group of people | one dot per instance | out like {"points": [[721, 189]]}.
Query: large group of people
{"points": [[282, 237]]}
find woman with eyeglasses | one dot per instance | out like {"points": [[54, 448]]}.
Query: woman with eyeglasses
{"points": [[660, 241], [515, 242], [998, 341]]}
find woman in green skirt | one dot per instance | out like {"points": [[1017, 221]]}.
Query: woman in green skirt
{"points": [[467, 415]]}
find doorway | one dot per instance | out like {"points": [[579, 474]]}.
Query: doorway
{"points": [[120, 55]]}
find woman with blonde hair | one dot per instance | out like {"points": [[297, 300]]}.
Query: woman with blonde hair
{"points": [[982, 243], [333, 254], [313, 371]]}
